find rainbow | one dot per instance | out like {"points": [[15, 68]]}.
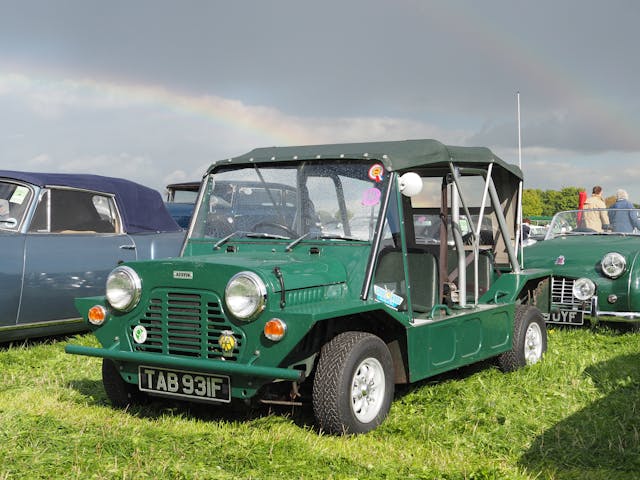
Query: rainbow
{"points": [[573, 94], [272, 126]]}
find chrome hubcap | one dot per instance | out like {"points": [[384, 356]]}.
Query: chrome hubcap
{"points": [[367, 390], [533, 344]]}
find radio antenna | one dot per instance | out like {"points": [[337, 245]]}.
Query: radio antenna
{"points": [[519, 239], [519, 135]]}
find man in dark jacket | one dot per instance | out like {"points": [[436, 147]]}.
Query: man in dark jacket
{"points": [[623, 216]]}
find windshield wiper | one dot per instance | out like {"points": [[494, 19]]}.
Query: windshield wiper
{"points": [[320, 235], [296, 242], [337, 236], [224, 240], [266, 235]]}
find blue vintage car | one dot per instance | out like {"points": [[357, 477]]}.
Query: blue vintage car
{"points": [[60, 236], [236, 205], [181, 199]]}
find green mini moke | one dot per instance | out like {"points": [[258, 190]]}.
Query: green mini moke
{"points": [[381, 264]]}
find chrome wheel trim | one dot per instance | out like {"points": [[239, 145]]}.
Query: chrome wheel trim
{"points": [[533, 344], [367, 390]]}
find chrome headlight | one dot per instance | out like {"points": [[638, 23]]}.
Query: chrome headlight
{"points": [[583, 289], [123, 288], [245, 295], [613, 264]]}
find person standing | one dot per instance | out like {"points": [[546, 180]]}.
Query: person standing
{"points": [[623, 216], [526, 229], [597, 219]]}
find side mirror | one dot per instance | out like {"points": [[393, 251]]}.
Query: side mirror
{"points": [[410, 184]]}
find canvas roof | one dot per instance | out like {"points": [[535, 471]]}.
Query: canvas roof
{"points": [[395, 155], [142, 208]]}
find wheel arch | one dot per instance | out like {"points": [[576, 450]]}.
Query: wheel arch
{"points": [[536, 292], [376, 322]]}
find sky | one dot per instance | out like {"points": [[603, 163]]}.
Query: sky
{"points": [[155, 90]]}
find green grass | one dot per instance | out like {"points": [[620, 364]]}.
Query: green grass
{"points": [[574, 416]]}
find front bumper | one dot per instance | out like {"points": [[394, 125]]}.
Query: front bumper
{"points": [[200, 365], [567, 306], [598, 315]]}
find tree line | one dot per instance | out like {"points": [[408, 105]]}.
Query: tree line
{"points": [[536, 202]]}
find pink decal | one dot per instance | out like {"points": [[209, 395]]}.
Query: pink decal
{"points": [[371, 197]]}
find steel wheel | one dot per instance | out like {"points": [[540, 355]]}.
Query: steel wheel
{"points": [[529, 339], [367, 391], [353, 384], [533, 344]]}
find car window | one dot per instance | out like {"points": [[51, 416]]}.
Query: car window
{"points": [[14, 204], [361, 197], [322, 198], [68, 210], [426, 216]]}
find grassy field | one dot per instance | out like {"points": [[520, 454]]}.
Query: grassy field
{"points": [[574, 416]]}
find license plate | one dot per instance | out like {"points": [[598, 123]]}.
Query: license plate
{"points": [[567, 317], [184, 384]]}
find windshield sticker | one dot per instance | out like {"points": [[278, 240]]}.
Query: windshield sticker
{"points": [[388, 297], [371, 197], [19, 195], [376, 172]]}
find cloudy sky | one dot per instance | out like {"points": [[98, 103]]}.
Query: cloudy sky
{"points": [[155, 90]]}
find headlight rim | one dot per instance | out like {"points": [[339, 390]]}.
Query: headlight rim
{"points": [[261, 294], [606, 260], [592, 288], [136, 288]]}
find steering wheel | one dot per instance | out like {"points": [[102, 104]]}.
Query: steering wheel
{"points": [[279, 226]]}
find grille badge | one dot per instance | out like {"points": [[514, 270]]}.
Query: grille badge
{"points": [[227, 343], [182, 275], [560, 260], [139, 334]]}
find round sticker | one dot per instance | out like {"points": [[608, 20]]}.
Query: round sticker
{"points": [[139, 334], [376, 172]]}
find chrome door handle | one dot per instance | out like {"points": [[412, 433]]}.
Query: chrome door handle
{"points": [[128, 247]]}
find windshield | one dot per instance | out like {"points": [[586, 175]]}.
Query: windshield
{"points": [[596, 221], [337, 199], [14, 202]]}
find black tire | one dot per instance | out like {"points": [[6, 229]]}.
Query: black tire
{"points": [[344, 363], [121, 393], [529, 339]]}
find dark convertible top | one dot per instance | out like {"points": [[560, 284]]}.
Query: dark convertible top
{"points": [[142, 208], [396, 155]]}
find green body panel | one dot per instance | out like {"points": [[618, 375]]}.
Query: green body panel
{"points": [[582, 256], [508, 286], [321, 286], [465, 337]]}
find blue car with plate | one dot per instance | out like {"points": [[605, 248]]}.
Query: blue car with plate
{"points": [[61, 235]]}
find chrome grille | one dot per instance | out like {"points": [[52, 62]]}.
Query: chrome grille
{"points": [[185, 324], [562, 292]]}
